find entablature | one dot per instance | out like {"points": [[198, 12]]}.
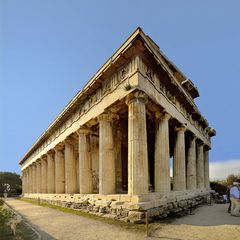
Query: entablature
{"points": [[137, 55], [120, 79]]}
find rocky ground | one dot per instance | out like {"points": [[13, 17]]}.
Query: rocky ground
{"points": [[206, 223]]}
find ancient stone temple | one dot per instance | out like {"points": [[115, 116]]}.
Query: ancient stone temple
{"points": [[110, 151]]}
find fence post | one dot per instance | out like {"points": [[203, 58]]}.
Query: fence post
{"points": [[146, 220], [191, 208]]}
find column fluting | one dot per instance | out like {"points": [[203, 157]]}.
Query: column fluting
{"points": [[162, 155], [179, 161], [85, 165], [137, 144], [191, 165], [107, 178], [70, 167]]}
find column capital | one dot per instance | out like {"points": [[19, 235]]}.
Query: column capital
{"points": [[162, 115], [59, 147], [50, 152], [38, 162], [137, 96], [182, 128], [193, 138], [83, 130], [200, 144], [44, 157], [69, 140], [206, 148], [107, 116]]}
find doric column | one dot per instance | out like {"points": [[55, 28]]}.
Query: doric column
{"points": [[30, 179], [70, 167], [162, 155], [44, 174], [137, 144], [191, 165], [206, 169], [179, 161], [39, 170], [85, 165], [34, 177], [59, 170], [23, 182], [107, 179], [50, 172], [26, 181], [200, 166]]}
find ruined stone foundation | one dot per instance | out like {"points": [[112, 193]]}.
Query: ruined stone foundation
{"points": [[124, 207]]}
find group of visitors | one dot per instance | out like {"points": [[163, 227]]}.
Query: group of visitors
{"points": [[234, 195]]}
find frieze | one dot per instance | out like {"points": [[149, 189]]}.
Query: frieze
{"points": [[107, 86], [154, 80]]}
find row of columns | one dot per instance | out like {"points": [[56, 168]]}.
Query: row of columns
{"points": [[56, 171], [193, 176]]}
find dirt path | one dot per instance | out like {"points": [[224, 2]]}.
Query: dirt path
{"points": [[54, 224], [207, 223]]}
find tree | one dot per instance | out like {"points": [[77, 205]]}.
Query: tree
{"points": [[232, 178], [10, 182], [218, 187]]}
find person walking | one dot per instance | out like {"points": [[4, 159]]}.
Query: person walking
{"points": [[235, 198], [228, 198]]}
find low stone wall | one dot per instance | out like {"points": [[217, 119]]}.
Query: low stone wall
{"points": [[105, 206]]}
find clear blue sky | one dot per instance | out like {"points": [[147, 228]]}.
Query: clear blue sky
{"points": [[50, 48]]}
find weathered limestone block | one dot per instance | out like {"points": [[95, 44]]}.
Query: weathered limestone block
{"points": [[134, 215], [169, 206], [182, 203], [175, 204], [125, 211], [102, 203], [96, 208], [102, 209], [131, 206], [116, 204]]}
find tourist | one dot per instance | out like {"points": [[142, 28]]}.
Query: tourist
{"points": [[235, 198], [228, 198]]}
